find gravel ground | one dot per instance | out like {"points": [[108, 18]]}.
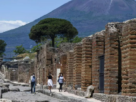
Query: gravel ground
{"points": [[27, 96]]}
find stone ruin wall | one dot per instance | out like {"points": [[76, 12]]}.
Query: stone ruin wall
{"points": [[41, 65], [117, 44], [23, 72], [63, 65], [44, 63], [129, 58], [86, 73], [31, 69], [69, 70], [81, 63], [47, 61], [77, 65], [112, 63], [97, 51], [12, 75]]}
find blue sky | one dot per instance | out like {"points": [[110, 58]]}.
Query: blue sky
{"points": [[14, 13]]}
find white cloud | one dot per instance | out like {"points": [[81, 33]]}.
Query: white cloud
{"points": [[8, 25]]}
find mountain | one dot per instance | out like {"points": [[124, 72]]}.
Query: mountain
{"points": [[88, 16]]}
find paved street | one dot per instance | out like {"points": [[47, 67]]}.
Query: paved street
{"points": [[24, 95], [27, 96]]}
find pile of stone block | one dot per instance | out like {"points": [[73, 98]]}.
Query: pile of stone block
{"points": [[86, 70], [129, 58], [77, 65], [97, 51]]}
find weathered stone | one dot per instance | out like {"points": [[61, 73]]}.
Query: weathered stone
{"points": [[89, 91], [5, 100], [14, 89], [63, 101], [42, 101], [6, 80], [4, 90], [6, 85]]}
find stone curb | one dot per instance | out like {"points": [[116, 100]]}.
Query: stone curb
{"points": [[63, 97], [113, 98], [5, 100]]}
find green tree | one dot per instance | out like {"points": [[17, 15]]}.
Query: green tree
{"points": [[77, 39], [20, 50], [35, 48], [59, 40], [2, 47], [50, 28]]}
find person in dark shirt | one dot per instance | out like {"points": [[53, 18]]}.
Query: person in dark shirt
{"points": [[50, 83]]}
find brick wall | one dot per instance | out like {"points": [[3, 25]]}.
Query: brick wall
{"points": [[86, 70], [77, 65], [97, 51], [63, 67], [112, 63], [129, 58], [69, 71]]}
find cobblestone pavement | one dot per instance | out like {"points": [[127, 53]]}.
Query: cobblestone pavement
{"points": [[28, 97], [23, 96]]}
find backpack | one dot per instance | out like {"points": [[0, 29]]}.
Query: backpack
{"points": [[33, 79]]}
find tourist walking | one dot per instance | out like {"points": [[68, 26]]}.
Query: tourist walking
{"points": [[50, 83], [61, 81], [33, 83]]}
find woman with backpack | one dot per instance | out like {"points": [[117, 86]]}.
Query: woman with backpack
{"points": [[33, 83], [50, 83], [61, 81]]}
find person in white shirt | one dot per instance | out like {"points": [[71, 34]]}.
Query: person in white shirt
{"points": [[61, 81]]}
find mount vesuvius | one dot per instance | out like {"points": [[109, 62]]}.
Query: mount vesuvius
{"points": [[88, 16]]}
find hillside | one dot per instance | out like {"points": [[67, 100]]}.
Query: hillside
{"points": [[88, 16]]}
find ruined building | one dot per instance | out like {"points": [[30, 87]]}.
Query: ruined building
{"points": [[106, 60]]}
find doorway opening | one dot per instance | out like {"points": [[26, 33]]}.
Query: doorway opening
{"points": [[101, 74]]}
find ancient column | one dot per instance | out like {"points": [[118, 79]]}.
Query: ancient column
{"points": [[70, 59], [77, 65], [86, 70], [112, 71], [129, 58], [97, 51]]}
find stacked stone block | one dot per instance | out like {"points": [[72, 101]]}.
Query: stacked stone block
{"points": [[129, 58], [70, 57], [77, 65], [86, 70], [112, 69], [97, 51]]}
